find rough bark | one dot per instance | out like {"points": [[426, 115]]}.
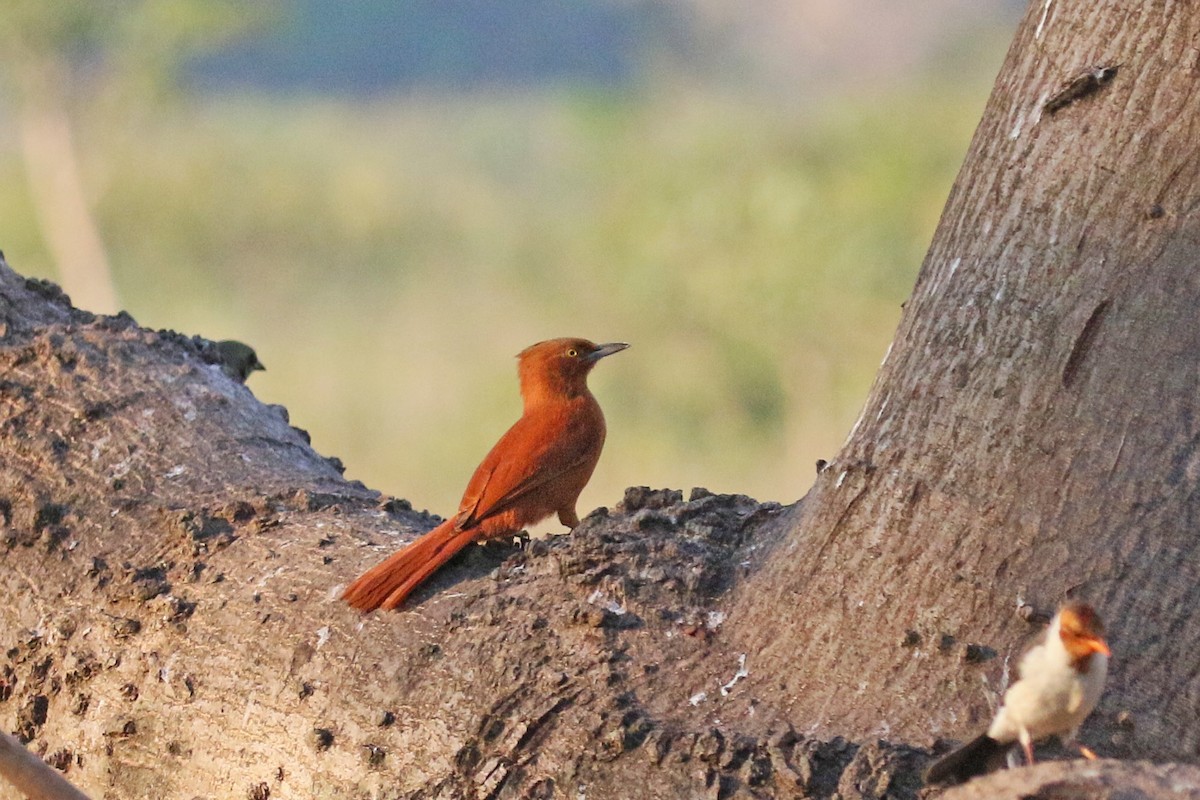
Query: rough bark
{"points": [[172, 549], [1081, 780], [1034, 432], [173, 552]]}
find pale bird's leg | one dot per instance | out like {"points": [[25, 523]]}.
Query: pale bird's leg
{"points": [[1086, 752], [1027, 746]]}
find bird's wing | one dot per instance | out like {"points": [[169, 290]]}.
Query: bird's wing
{"points": [[534, 452], [1034, 657], [1075, 697]]}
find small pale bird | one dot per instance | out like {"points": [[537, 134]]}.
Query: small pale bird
{"points": [[238, 360], [1060, 682], [538, 468]]}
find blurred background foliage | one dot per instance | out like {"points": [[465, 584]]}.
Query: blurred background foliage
{"points": [[390, 199]]}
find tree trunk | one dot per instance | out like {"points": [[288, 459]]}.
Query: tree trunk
{"points": [[1034, 432], [173, 550]]}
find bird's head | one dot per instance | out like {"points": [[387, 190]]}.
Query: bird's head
{"points": [[560, 366], [1082, 632], [238, 360]]}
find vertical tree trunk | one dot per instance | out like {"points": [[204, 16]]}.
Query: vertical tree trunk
{"points": [[1034, 432]]}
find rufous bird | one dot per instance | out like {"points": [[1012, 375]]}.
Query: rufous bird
{"points": [[538, 468], [1060, 681]]}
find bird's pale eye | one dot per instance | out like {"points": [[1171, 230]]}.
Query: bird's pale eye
{"points": [[572, 353]]}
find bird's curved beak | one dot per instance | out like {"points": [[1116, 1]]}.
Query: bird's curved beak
{"points": [[603, 350], [1100, 646]]}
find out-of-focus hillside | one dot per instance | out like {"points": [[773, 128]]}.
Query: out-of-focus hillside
{"points": [[389, 254]]}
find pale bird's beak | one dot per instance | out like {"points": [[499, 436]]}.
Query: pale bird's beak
{"points": [[603, 350]]}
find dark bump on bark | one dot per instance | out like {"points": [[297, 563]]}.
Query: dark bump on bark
{"points": [[1155, 211], [1083, 343], [238, 511], [387, 719], [946, 642], [322, 739], [120, 728], [32, 717], [98, 571], [8, 682], [129, 691], [66, 627], [60, 759], [316, 501], [259, 791], [49, 514], [149, 582], [1080, 87], [374, 756], [978, 653], [204, 533], [50, 291], [911, 639], [643, 497], [124, 627], [736, 754], [41, 669], [396, 505], [180, 609]]}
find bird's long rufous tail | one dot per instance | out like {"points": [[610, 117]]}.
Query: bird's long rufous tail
{"points": [[979, 756], [389, 582]]}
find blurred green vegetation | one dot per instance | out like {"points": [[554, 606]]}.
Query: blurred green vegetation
{"points": [[387, 257]]}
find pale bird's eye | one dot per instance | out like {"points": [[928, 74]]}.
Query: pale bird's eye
{"points": [[572, 352]]}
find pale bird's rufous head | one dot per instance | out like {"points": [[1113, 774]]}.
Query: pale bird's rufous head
{"points": [[1081, 631]]}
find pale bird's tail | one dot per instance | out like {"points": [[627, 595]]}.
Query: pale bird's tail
{"points": [[979, 756]]}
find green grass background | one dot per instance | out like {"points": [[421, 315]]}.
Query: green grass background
{"points": [[388, 257]]}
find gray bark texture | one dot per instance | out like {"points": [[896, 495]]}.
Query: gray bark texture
{"points": [[172, 549], [1034, 431]]}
